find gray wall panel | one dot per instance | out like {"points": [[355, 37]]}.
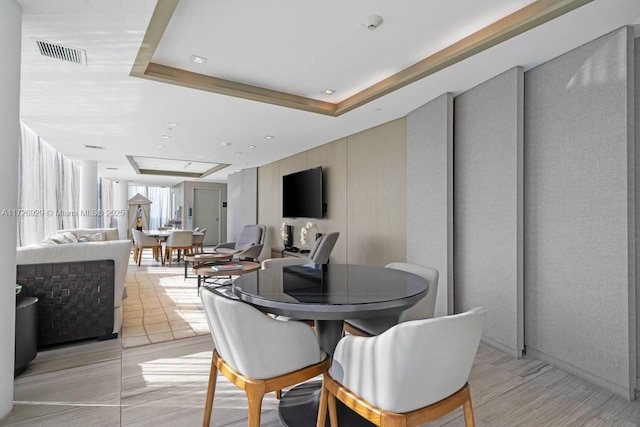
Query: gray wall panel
{"points": [[242, 198], [488, 207], [430, 193], [636, 86], [578, 198]]}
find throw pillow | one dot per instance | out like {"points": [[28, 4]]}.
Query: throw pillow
{"points": [[97, 237], [70, 237], [58, 238]]}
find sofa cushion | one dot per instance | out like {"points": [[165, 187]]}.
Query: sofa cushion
{"points": [[95, 237]]}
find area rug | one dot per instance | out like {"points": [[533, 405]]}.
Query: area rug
{"points": [[161, 305]]}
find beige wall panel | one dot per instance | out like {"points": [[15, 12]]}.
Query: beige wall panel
{"points": [[333, 159], [376, 194], [269, 206]]}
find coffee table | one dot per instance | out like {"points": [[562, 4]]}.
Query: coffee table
{"points": [[204, 270], [196, 259]]}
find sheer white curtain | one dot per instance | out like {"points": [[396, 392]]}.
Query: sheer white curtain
{"points": [[47, 189], [160, 197], [106, 191]]}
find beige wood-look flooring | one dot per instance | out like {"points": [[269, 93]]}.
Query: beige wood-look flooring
{"points": [[164, 384]]}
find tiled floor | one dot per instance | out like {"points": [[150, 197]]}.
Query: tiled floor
{"points": [[161, 304], [164, 383]]}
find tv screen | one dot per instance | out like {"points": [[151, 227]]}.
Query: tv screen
{"points": [[302, 194]]}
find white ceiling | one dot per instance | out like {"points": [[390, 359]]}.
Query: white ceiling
{"points": [[288, 45]]}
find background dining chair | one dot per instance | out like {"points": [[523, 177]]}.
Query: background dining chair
{"points": [[256, 353], [423, 309], [142, 241], [198, 241], [322, 248], [249, 244], [178, 240], [165, 228], [413, 373]]}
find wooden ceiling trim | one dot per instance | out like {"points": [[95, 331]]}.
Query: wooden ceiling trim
{"points": [[537, 13]]}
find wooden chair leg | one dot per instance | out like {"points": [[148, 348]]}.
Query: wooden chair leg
{"points": [[170, 256], [322, 408], [211, 389], [333, 413], [468, 413], [278, 394], [255, 393], [140, 256]]}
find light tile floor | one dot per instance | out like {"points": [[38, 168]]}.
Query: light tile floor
{"points": [[164, 384], [161, 305]]}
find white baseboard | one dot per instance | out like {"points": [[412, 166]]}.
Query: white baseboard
{"points": [[501, 347]]}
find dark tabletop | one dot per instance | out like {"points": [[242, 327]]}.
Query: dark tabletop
{"points": [[331, 291]]}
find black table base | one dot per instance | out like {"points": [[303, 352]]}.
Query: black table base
{"points": [[296, 405]]}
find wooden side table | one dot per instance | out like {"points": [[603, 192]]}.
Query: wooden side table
{"points": [[204, 270], [200, 258]]}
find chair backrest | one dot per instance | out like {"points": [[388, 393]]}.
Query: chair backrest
{"points": [[281, 262], [180, 239], [426, 306], [252, 344], [413, 364], [321, 250], [199, 238], [251, 235], [142, 239], [165, 228], [196, 229]]}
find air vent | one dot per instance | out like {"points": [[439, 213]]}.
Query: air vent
{"points": [[94, 147], [112, 169], [64, 53]]}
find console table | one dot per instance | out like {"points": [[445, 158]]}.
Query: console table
{"points": [[282, 253]]}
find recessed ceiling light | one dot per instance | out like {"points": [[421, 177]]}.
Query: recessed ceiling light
{"points": [[237, 153], [173, 125], [165, 136], [160, 146], [94, 147], [252, 146], [199, 156], [268, 137], [112, 169], [328, 91], [225, 144], [200, 60]]}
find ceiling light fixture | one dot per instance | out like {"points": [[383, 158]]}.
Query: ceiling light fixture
{"points": [[173, 125], [112, 169], [200, 60], [225, 144], [268, 137], [165, 136], [237, 153], [160, 146], [94, 147], [252, 146], [328, 91], [372, 22]]}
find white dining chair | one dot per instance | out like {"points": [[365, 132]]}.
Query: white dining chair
{"points": [[256, 353], [423, 309], [412, 374]]}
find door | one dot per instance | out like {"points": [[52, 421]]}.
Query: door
{"points": [[206, 213]]}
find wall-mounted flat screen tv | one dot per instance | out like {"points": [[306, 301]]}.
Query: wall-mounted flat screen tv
{"points": [[302, 194]]}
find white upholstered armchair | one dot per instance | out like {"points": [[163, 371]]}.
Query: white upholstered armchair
{"points": [[249, 244], [415, 372], [256, 353], [422, 310]]}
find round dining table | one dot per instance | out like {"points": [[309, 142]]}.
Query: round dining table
{"points": [[328, 294]]}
